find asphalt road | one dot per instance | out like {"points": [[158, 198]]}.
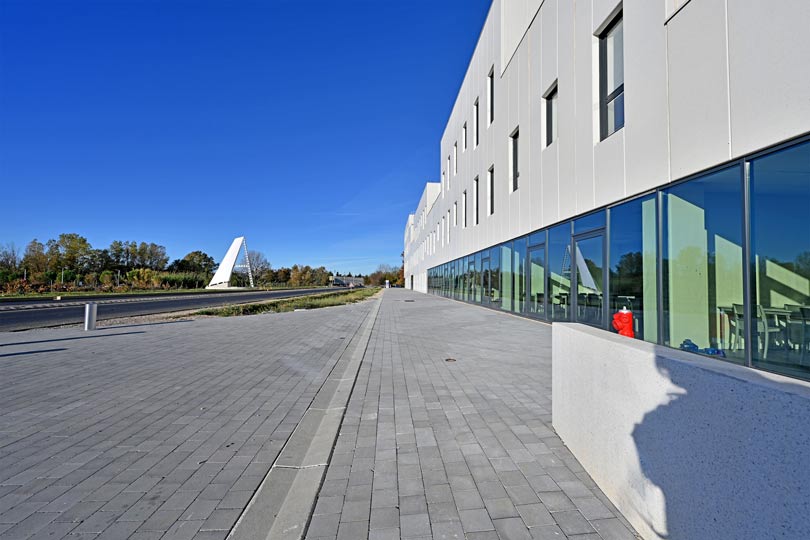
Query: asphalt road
{"points": [[26, 315]]}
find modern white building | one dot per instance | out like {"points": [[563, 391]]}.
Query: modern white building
{"points": [[646, 156]]}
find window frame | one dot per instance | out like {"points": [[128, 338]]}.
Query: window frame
{"points": [[514, 158], [606, 99], [552, 114]]}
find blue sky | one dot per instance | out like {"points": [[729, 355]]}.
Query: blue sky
{"points": [[308, 126]]}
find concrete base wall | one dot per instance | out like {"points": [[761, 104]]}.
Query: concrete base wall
{"points": [[685, 446]]}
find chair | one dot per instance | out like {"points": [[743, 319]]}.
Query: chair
{"points": [[735, 321], [765, 329]]}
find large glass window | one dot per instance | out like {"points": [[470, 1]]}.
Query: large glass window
{"points": [[519, 271], [703, 265], [633, 263], [780, 253], [477, 287], [559, 272], [506, 276], [611, 78], [590, 255], [535, 305]]}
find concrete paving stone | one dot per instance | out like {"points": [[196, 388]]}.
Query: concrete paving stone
{"points": [[612, 529], [28, 526], [323, 525], [475, 520], [592, 508], [572, 522], [384, 534], [482, 535], [522, 495], [414, 525], [52, 531], [441, 512], [448, 530], [329, 505], [413, 504], [383, 498], [120, 530], [556, 501], [543, 483], [501, 508], [511, 529], [352, 530], [199, 510], [535, 515], [98, 522], [384, 518], [492, 490], [355, 511]]}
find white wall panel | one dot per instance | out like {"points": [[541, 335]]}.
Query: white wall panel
{"points": [[698, 87], [769, 61]]}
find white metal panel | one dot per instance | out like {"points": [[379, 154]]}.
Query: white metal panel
{"points": [[223, 274]]}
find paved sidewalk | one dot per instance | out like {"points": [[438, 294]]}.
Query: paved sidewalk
{"points": [[166, 430], [150, 431], [464, 449]]}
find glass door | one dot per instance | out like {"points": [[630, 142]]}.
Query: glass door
{"points": [[536, 278], [589, 262], [486, 281]]}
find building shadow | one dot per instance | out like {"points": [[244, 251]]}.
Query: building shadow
{"points": [[729, 455], [31, 352], [94, 336]]}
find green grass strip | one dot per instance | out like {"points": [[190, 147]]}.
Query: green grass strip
{"points": [[281, 305]]}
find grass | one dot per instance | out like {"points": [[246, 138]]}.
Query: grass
{"points": [[281, 305], [136, 292]]}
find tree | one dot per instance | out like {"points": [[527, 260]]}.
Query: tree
{"points": [[196, 261], [35, 260], [258, 262], [9, 257]]}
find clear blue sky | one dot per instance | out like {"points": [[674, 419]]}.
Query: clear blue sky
{"points": [[308, 126]]}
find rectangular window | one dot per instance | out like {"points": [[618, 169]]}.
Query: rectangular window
{"points": [[442, 232], [702, 272], [491, 190], [455, 214], [611, 78], [475, 124], [455, 158], [448, 226], [491, 96], [448, 172], [464, 137], [475, 200], [559, 272], [551, 115], [464, 209], [514, 171]]}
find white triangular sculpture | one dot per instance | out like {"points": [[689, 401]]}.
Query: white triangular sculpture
{"points": [[222, 277]]}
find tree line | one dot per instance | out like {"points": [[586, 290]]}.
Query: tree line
{"points": [[70, 263]]}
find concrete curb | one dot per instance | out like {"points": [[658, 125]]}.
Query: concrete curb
{"points": [[281, 507]]}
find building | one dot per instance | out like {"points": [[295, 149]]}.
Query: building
{"points": [[645, 156]]}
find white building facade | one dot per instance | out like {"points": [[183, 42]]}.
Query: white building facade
{"points": [[604, 155], [643, 168]]}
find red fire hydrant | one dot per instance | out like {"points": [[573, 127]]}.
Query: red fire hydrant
{"points": [[623, 322]]}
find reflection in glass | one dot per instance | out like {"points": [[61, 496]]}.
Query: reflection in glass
{"points": [[780, 251], [506, 276], [537, 282], [559, 271], [495, 272], [702, 265], [519, 271], [590, 222], [590, 280], [477, 277], [633, 280], [486, 280]]}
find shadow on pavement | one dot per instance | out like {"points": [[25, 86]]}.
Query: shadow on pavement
{"points": [[68, 339], [31, 352]]}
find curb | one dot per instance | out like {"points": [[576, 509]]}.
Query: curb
{"points": [[282, 505]]}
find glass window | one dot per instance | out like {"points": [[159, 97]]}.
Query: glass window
{"points": [[495, 272], [559, 272], [513, 158], [519, 271], [537, 238], [780, 252], [475, 200], [455, 158], [471, 280], [477, 277], [611, 78], [464, 209], [535, 305], [464, 136], [590, 266], [703, 265], [551, 115], [506, 276], [486, 278], [491, 190], [633, 263], [491, 94], [590, 222], [475, 123]]}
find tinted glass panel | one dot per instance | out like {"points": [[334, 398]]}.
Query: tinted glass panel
{"points": [[486, 280], [506, 276], [590, 222], [780, 249], [702, 252], [519, 271], [495, 271], [477, 278], [537, 238], [559, 272], [537, 282], [633, 280], [590, 280]]}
